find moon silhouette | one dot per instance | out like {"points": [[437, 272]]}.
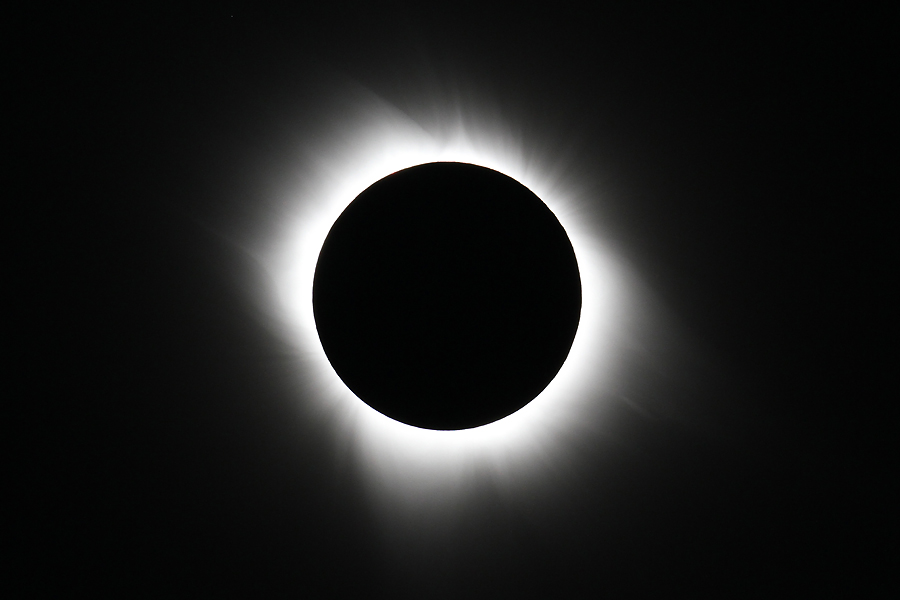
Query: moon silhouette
{"points": [[447, 296]]}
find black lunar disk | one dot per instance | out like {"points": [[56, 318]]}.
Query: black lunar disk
{"points": [[447, 296]]}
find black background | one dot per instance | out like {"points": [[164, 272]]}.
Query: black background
{"points": [[738, 153]]}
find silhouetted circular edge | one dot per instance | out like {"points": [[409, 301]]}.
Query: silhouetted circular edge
{"points": [[361, 217]]}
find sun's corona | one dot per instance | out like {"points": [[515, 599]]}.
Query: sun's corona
{"points": [[367, 145]]}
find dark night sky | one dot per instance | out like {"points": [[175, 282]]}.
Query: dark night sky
{"points": [[734, 149]]}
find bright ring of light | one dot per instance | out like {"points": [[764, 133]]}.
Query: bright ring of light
{"points": [[366, 144]]}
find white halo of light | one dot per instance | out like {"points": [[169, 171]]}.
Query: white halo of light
{"points": [[419, 468]]}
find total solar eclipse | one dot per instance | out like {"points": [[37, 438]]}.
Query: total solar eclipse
{"points": [[447, 296]]}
